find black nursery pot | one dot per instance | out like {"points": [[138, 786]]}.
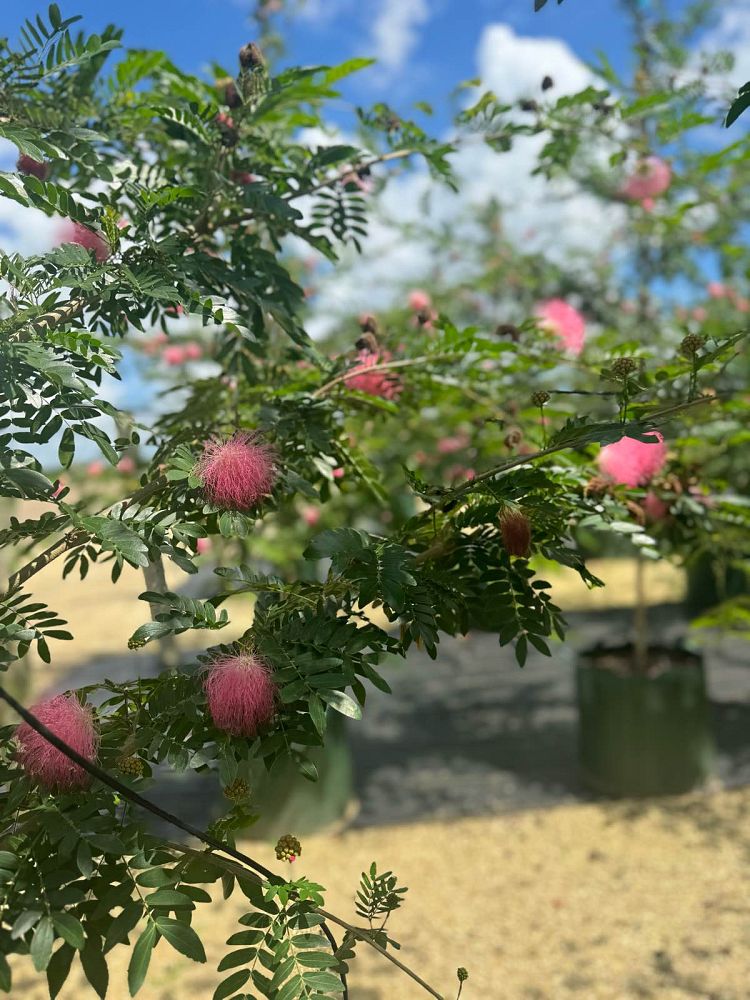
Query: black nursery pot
{"points": [[643, 734]]}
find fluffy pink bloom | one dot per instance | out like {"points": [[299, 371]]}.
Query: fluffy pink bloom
{"points": [[654, 507], [203, 545], [310, 515], [236, 473], [126, 465], [76, 232], [717, 290], [338, 473], [652, 177], [36, 168], [61, 484], [565, 322], [631, 462], [699, 314], [741, 303], [193, 351], [449, 445], [460, 472], [419, 300], [241, 694], [174, 355], [71, 722], [243, 177], [95, 468], [175, 310], [648, 205], [379, 383]]}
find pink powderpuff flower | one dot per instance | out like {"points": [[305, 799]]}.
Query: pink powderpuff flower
{"points": [[699, 314], [449, 445], [243, 177], [654, 507], [61, 484], [95, 468], [631, 462], [238, 472], [741, 303], [36, 168], [174, 355], [648, 205], [126, 465], [69, 721], [310, 515], [717, 290], [652, 177], [193, 351], [338, 473], [202, 546], [419, 300], [241, 694], [568, 325], [76, 232], [175, 310], [374, 383]]}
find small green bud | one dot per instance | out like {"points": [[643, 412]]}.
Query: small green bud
{"points": [[237, 790], [540, 398], [462, 974], [288, 848], [692, 344], [622, 367]]}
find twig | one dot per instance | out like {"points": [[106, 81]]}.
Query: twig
{"points": [[396, 154], [127, 793], [381, 367]]}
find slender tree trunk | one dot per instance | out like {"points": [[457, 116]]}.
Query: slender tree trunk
{"points": [[153, 574], [640, 618]]}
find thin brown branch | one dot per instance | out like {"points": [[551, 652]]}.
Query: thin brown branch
{"points": [[654, 418], [396, 154], [380, 367]]}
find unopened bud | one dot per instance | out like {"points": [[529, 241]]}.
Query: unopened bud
{"points": [[251, 56], [368, 324], [288, 848], [540, 398], [513, 438], [461, 974], [237, 790], [548, 83], [507, 330], [622, 367], [692, 344], [528, 105], [130, 765], [516, 531], [367, 342]]}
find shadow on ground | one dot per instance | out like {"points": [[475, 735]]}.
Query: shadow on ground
{"points": [[471, 734]]}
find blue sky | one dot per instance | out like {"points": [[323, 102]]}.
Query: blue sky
{"points": [[426, 46]]}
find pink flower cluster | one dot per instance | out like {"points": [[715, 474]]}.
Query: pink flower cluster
{"points": [[631, 462], [76, 232], [69, 721], [241, 694], [374, 383], [565, 322], [652, 177], [236, 473], [34, 168], [453, 443], [178, 354]]}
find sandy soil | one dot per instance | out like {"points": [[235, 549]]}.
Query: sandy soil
{"points": [[588, 902]]}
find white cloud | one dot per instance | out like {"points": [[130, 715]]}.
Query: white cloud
{"points": [[396, 29], [732, 34], [556, 218]]}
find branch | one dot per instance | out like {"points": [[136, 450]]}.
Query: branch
{"points": [[49, 320], [74, 539], [657, 417], [381, 367], [255, 866], [396, 154]]}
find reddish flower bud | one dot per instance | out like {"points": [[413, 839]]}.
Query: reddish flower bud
{"points": [[516, 531]]}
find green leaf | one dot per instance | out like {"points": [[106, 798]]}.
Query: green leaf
{"points": [[141, 957], [118, 537], [231, 984], [41, 944], [67, 448], [70, 929], [59, 969], [182, 938], [740, 104], [171, 898], [342, 703], [95, 967]]}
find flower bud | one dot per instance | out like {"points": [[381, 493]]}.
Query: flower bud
{"points": [[288, 848], [516, 531], [691, 344], [251, 56], [622, 367], [540, 398]]}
